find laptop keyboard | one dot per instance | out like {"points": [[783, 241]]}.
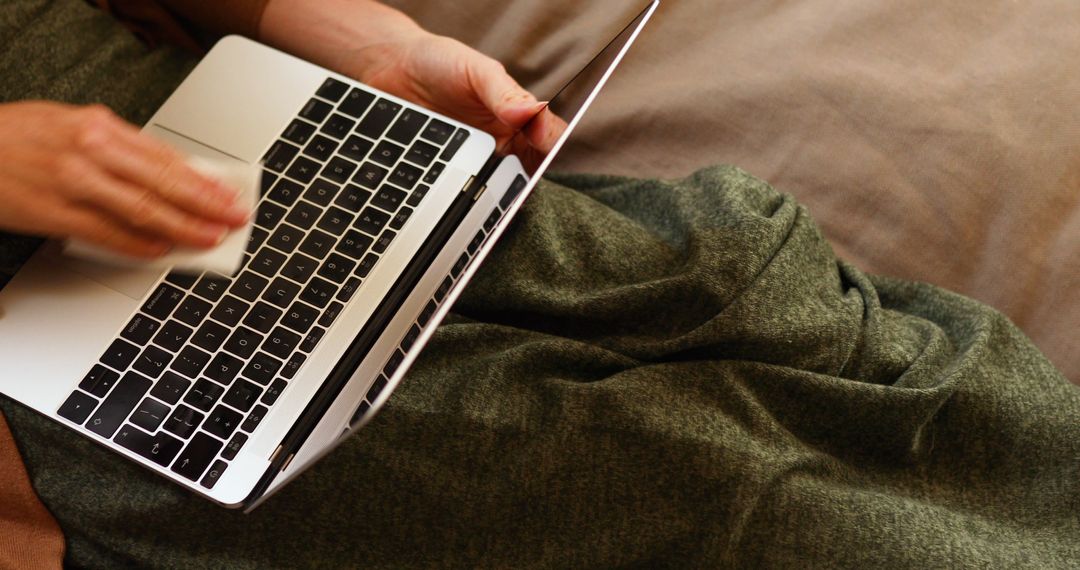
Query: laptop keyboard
{"points": [[197, 368]]}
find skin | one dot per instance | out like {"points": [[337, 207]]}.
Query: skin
{"points": [[97, 178]]}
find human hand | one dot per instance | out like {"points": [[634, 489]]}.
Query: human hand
{"points": [[82, 172], [382, 47]]}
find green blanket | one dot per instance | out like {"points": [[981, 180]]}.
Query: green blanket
{"points": [[644, 374]]}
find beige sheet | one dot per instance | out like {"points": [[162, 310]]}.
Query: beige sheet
{"points": [[935, 141]]}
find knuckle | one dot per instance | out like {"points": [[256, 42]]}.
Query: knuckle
{"points": [[144, 210], [72, 170], [95, 128]]}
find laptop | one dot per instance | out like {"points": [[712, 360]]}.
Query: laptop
{"points": [[374, 214]]}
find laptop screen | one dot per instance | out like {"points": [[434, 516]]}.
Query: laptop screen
{"points": [[567, 105]]}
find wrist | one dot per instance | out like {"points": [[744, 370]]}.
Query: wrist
{"points": [[342, 35]]}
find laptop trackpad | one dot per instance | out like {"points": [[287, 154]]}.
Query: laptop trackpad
{"points": [[131, 281]]}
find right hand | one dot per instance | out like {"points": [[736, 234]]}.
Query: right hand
{"points": [[82, 172]]}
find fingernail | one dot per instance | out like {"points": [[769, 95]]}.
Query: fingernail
{"points": [[239, 214]]}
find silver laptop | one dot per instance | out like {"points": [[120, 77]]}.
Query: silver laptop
{"points": [[374, 215]]}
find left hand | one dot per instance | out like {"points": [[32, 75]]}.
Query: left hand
{"points": [[382, 47]]}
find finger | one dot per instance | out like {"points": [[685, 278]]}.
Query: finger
{"points": [[154, 165], [139, 208], [508, 101], [104, 231]]}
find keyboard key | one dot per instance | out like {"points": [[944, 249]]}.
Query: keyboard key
{"points": [[281, 294], [370, 175], [298, 132], [254, 419], [406, 175], [377, 386], [322, 192], [233, 447], [456, 140], [352, 198], [211, 287], [366, 265], [230, 310], [443, 289], [311, 339], [197, 455], [489, 223], [77, 407], [317, 244], [383, 241], [421, 153], [459, 266], [120, 354], [160, 448], [292, 365], [98, 381], [116, 407], [348, 289], [286, 238], [388, 198], [407, 125], [213, 474], [356, 148], [371, 221], [181, 280], [336, 268], [356, 103], [170, 387], [222, 422], [190, 362], [378, 118], [335, 221], [339, 170], [320, 148], [273, 392], [256, 239], [242, 395], [434, 172], [304, 169], [330, 314], [266, 262], [410, 338], [243, 342], [286, 192], [263, 316], [149, 414], [417, 195], [280, 155], [315, 110], [338, 126], [360, 412], [210, 336], [162, 301], [354, 244], [318, 292], [204, 394], [268, 215], [400, 218], [304, 215], [437, 132], [426, 314], [262, 368], [300, 317], [298, 268], [387, 153], [173, 336], [152, 361], [183, 421], [281, 342], [332, 89], [266, 181], [223, 368], [248, 286]]}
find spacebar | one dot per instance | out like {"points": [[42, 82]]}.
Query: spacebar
{"points": [[116, 407]]}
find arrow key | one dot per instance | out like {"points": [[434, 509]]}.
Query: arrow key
{"points": [[196, 456], [160, 448]]}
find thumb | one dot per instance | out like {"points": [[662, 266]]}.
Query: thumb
{"points": [[508, 101]]}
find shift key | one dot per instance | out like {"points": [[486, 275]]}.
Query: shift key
{"points": [[118, 405]]}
